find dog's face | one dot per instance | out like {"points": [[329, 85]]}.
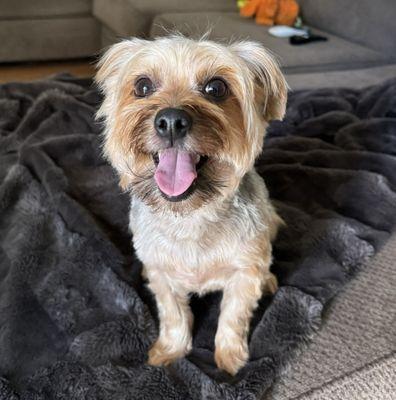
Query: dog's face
{"points": [[186, 119]]}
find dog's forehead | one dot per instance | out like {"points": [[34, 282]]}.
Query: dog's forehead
{"points": [[185, 60]]}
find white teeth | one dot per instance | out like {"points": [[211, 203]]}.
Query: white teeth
{"points": [[197, 158]]}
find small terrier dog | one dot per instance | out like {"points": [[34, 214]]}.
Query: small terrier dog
{"points": [[184, 122]]}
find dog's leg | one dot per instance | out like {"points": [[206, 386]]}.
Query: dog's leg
{"points": [[176, 320], [240, 297]]}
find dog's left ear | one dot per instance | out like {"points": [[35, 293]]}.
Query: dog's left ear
{"points": [[267, 75]]}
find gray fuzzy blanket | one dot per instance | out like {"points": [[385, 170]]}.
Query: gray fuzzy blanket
{"points": [[76, 319]]}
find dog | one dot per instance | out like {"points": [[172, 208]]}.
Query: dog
{"points": [[184, 121]]}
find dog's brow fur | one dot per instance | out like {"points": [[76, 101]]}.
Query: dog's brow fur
{"points": [[218, 237]]}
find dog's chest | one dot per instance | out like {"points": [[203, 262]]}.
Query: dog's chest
{"points": [[199, 251], [193, 242]]}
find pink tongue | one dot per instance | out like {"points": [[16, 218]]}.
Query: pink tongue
{"points": [[175, 172]]}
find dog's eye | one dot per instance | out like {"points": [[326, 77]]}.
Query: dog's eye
{"points": [[216, 88], [144, 87]]}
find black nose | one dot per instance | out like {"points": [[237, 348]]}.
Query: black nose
{"points": [[172, 124]]}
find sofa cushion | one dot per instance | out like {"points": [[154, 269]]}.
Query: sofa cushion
{"points": [[160, 6], [10, 9], [356, 78], [336, 53], [107, 37], [49, 38], [121, 17], [134, 17], [368, 22]]}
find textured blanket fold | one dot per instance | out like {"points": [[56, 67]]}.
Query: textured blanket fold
{"points": [[76, 318]]}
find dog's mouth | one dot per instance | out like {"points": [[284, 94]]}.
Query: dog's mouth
{"points": [[176, 172]]}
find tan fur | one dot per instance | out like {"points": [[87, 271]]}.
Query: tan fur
{"points": [[219, 238]]}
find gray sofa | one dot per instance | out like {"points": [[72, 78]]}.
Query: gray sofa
{"points": [[361, 49], [361, 34]]}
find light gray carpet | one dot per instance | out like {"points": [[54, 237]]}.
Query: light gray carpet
{"points": [[353, 356]]}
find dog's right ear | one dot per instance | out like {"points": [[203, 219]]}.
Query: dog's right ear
{"points": [[264, 67], [114, 59]]}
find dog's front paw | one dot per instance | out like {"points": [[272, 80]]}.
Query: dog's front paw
{"points": [[160, 354], [231, 358]]}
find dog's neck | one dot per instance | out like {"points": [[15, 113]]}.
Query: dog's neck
{"points": [[243, 207], [211, 211]]}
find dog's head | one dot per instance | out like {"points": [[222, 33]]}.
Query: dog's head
{"points": [[186, 119]]}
